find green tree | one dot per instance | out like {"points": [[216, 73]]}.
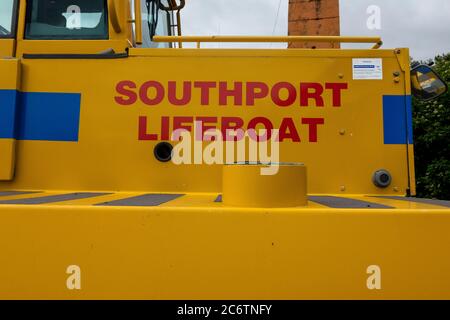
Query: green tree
{"points": [[432, 140]]}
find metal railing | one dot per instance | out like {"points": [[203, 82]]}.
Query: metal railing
{"points": [[262, 39]]}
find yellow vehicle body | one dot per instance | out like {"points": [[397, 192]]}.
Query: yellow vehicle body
{"points": [[79, 183]]}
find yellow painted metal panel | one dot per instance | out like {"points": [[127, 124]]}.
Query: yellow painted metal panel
{"points": [[7, 158], [7, 47], [169, 253], [10, 74], [9, 84], [110, 156], [194, 247]]}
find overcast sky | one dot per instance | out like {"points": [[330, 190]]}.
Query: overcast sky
{"points": [[422, 25]]}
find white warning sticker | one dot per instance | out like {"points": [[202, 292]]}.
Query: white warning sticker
{"points": [[368, 69]]}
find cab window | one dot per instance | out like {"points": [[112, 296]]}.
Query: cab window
{"points": [[7, 18], [67, 19]]}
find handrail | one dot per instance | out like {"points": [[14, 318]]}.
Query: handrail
{"points": [[138, 21], [331, 39]]}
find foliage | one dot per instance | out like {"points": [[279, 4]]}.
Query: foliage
{"points": [[432, 140]]}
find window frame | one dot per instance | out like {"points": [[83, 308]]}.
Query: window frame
{"points": [[28, 12], [14, 17]]}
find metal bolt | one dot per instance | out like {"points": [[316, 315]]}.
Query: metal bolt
{"points": [[396, 74], [341, 76], [342, 188], [342, 132]]}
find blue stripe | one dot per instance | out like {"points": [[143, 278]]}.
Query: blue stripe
{"points": [[409, 119], [40, 116], [8, 103], [397, 119], [49, 116]]}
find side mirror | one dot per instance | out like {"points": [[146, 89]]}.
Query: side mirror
{"points": [[426, 84]]}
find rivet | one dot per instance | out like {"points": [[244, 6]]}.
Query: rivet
{"points": [[342, 188], [341, 76], [396, 189], [397, 79], [396, 74], [342, 132]]}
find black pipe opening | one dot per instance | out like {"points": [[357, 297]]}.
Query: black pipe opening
{"points": [[163, 151]]}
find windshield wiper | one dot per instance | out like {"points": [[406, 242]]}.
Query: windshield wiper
{"points": [[4, 31]]}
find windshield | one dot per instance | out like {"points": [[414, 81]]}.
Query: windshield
{"points": [[7, 14], [67, 19]]}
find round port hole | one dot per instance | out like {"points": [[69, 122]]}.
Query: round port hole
{"points": [[163, 151]]}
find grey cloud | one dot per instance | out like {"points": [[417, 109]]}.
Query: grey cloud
{"points": [[423, 26], [235, 17]]}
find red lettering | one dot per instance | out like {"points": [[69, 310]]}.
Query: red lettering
{"points": [[205, 88], [256, 90], [159, 90], [275, 93], [143, 135], [306, 94], [231, 125], [131, 96], [268, 127], [313, 123], [172, 93], [225, 93], [165, 128], [183, 123], [337, 92], [288, 130], [200, 136]]}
